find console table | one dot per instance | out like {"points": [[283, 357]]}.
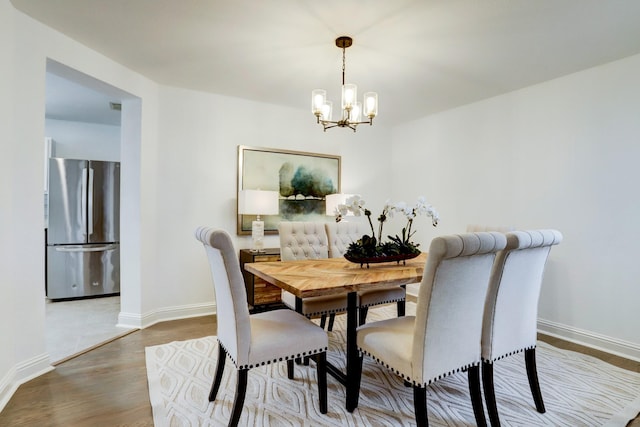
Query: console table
{"points": [[261, 295]]}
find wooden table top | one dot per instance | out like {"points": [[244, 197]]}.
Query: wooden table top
{"points": [[309, 278]]}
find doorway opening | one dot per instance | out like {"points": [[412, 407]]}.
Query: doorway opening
{"points": [[83, 120]]}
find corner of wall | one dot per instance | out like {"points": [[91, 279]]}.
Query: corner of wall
{"points": [[21, 374], [136, 321]]}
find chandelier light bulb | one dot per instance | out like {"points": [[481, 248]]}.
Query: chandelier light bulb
{"points": [[318, 100], [355, 112], [349, 96], [370, 104], [326, 110]]}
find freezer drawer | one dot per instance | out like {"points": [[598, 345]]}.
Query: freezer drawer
{"points": [[82, 270]]}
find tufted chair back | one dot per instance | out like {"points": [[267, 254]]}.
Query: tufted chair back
{"points": [[511, 314], [450, 304], [342, 234], [302, 240], [234, 330]]}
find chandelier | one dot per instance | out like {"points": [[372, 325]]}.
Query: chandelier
{"points": [[352, 112]]}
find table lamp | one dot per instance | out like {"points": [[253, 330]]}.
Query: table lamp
{"points": [[258, 202]]}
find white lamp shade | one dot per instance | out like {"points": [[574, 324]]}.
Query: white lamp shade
{"points": [[333, 200], [258, 202]]}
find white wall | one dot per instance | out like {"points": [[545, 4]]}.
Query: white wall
{"points": [[27, 45], [8, 361], [197, 175], [562, 154], [80, 140]]}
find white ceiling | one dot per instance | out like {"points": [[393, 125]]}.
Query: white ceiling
{"points": [[67, 99], [421, 56]]}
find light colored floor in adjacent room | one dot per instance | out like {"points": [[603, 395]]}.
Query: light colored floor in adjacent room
{"points": [[73, 327]]}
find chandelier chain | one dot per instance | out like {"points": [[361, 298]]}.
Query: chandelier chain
{"points": [[343, 62]]}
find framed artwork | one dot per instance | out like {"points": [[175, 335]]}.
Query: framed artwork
{"points": [[301, 179]]}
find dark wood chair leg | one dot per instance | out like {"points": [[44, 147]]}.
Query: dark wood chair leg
{"points": [[222, 356], [323, 321], [532, 374], [490, 394], [238, 402], [357, 379], [420, 406], [476, 395], [321, 367], [290, 369], [362, 315], [401, 308], [332, 318]]}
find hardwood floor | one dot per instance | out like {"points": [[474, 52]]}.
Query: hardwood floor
{"points": [[108, 385], [104, 387]]}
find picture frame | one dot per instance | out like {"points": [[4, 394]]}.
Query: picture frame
{"points": [[291, 173]]}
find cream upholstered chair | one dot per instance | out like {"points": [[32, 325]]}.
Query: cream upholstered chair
{"points": [[258, 339], [341, 235], [511, 310], [444, 335], [308, 240]]}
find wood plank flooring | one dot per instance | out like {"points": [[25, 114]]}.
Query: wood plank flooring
{"points": [[108, 385]]}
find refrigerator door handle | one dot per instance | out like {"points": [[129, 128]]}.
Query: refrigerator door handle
{"points": [[83, 202], [100, 248], [90, 203]]}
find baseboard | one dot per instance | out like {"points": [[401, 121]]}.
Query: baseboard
{"points": [[131, 320], [20, 374], [621, 348]]}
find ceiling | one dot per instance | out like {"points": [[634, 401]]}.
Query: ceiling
{"points": [[421, 56], [68, 99]]}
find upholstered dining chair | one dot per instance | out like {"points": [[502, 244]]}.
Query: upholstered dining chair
{"points": [[511, 309], [308, 240], [444, 336], [256, 339], [341, 235]]}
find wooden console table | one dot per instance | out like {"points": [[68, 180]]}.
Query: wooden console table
{"points": [[260, 294]]}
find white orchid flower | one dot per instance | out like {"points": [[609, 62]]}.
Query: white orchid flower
{"points": [[401, 206]]}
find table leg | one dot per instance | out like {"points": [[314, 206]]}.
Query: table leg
{"points": [[352, 352], [298, 360]]}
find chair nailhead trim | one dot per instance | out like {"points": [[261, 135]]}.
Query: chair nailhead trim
{"points": [[383, 302], [413, 381], [267, 362], [335, 310], [342, 310]]}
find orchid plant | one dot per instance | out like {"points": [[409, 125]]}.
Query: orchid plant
{"points": [[372, 246]]}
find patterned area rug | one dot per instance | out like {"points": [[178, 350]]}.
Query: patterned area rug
{"points": [[578, 390]]}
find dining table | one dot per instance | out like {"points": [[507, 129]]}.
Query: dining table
{"points": [[338, 276]]}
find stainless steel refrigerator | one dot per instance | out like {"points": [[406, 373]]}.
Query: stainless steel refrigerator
{"points": [[83, 234]]}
